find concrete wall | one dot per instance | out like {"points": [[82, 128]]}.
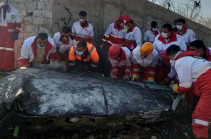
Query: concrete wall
{"points": [[47, 14]]}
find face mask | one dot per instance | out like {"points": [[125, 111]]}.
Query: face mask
{"points": [[179, 27], [82, 20], [39, 46], [79, 53], [164, 35], [154, 29], [171, 61]]}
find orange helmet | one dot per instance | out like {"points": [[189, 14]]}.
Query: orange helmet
{"points": [[146, 48], [114, 51]]}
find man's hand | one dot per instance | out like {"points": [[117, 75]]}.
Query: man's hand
{"points": [[174, 87]]}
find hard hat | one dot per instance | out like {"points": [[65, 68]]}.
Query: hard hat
{"points": [[114, 51], [128, 19], [122, 18], [146, 48], [164, 57]]}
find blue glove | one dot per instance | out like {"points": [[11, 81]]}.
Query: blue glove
{"points": [[15, 36]]}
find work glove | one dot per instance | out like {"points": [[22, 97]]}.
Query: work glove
{"points": [[101, 45], [126, 77], [134, 77], [174, 88], [15, 36]]}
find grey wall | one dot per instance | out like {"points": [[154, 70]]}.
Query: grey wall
{"points": [[103, 12], [42, 14]]}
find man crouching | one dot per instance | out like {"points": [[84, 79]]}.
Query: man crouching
{"points": [[83, 54], [37, 50]]}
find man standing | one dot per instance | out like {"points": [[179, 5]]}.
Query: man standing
{"points": [[82, 30], [115, 33], [133, 35], [120, 62], [196, 71], [150, 35], [37, 50], [145, 60], [167, 38], [84, 53], [10, 25], [185, 32], [63, 42]]}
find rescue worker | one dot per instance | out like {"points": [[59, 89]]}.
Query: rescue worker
{"points": [[83, 53], [167, 38], [115, 32], [82, 29], [120, 62], [145, 59], [63, 41], [199, 47], [195, 71], [150, 35], [37, 50], [10, 25], [133, 35], [185, 32]]}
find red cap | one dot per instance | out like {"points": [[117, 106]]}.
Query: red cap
{"points": [[165, 59], [128, 19], [114, 51], [122, 18]]}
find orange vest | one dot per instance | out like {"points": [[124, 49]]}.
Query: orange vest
{"points": [[93, 55]]}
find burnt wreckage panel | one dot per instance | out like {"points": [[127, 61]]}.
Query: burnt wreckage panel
{"points": [[34, 97]]}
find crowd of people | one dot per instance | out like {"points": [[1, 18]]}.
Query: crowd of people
{"points": [[169, 57], [174, 58]]}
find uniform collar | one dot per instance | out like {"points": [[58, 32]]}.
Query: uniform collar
{"points": [[183, 31], [131, 28], [172, 39], [181, 54], [85, 24]]}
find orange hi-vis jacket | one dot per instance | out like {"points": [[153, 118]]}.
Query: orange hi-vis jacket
{"points": [[92, 56]]}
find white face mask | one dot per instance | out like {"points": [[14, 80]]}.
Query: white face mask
{"points": [[82, 20], [171, 61], [164, 35], [179, 27], [154, 29], [79, 53]]}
